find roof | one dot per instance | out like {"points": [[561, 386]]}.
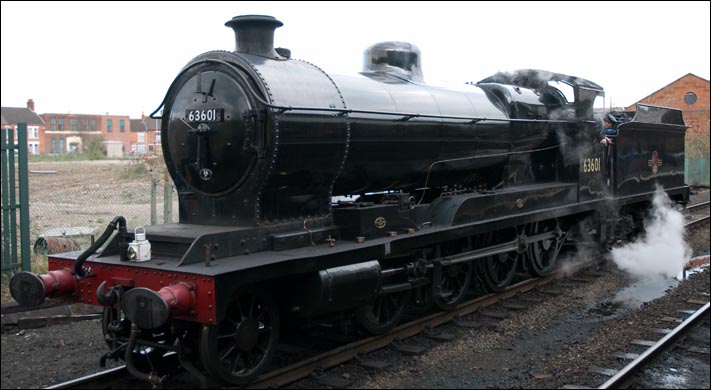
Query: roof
{"points": [[152, 124], [138, 125], [15, 115], [666, 86]]}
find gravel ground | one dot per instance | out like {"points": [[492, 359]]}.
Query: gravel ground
{"points": [[551, 343], [546, 347]]}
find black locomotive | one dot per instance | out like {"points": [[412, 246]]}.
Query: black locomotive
{"points": [[305, 194]]}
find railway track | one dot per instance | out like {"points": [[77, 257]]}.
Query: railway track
{"points": [[428, 323], [625, 376], [697, 205], [348, 352]]}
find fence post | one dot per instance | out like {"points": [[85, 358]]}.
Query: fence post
{"points": [[24, 196], [154, 200], [8, 230], [9, 200], [167, 199], [12, 194]]}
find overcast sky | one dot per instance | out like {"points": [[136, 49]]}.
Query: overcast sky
{"points": [[120, 58]]}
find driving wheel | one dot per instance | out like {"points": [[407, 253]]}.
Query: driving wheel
{"points": [[542, 255], [453, 285], [498, 270]]}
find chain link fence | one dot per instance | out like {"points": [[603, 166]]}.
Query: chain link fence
{"points": [[72, 202]]}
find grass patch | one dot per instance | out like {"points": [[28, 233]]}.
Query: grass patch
{"points": [[135, 171]]}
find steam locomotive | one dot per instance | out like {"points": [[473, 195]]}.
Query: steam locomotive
{"points": [[308, 195]]}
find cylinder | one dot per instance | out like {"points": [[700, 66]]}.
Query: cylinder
{"points": [[339, 288]]}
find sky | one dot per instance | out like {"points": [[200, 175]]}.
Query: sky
{"points": [[121, 57]]}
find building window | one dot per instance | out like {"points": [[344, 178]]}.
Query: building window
{"points": [[61, 145], [33, 132], [74, 124], [60, 124], [157, 136], [109, 125], [53, 124], [690, 98], [33, 147], [92, 125], [141, 137], [122, 125], [53, 148]]}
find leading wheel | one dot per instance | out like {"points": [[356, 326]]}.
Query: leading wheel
{"points": [[237, 349], [382, 315], [116, 329]]}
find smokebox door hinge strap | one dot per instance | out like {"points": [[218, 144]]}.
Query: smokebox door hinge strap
{"points": [[254, 139]]}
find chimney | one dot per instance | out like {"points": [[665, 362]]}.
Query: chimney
{"points": [[255, 34], [31, 105]]}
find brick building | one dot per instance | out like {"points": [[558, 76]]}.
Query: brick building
{"points": [[11, 116], [70, 132], [145, 137], [153, 137], [691, 95], [139, 135]]}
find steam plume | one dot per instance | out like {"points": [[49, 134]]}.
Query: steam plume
{"points": [[662, 250]]}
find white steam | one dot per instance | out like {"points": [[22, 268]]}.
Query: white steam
{"points": [[662, 250]]}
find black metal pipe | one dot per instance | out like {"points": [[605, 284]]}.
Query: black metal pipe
{"points": [[392, 272], [153, 379], [397, 287], [118, 220]]}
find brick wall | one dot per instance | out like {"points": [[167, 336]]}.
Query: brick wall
{"points": [[696, 115]]}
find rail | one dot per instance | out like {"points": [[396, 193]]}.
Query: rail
{"points": [[625, 374], [99, 380], [697, 205], [697, 221]]}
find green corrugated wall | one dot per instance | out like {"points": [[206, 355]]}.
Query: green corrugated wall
{"points": [[696, 171]]}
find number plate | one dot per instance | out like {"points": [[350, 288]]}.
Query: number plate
{"points": [[207, 115]]}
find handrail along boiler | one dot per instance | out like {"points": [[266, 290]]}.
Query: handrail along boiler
{"points": [[439, 189]]}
